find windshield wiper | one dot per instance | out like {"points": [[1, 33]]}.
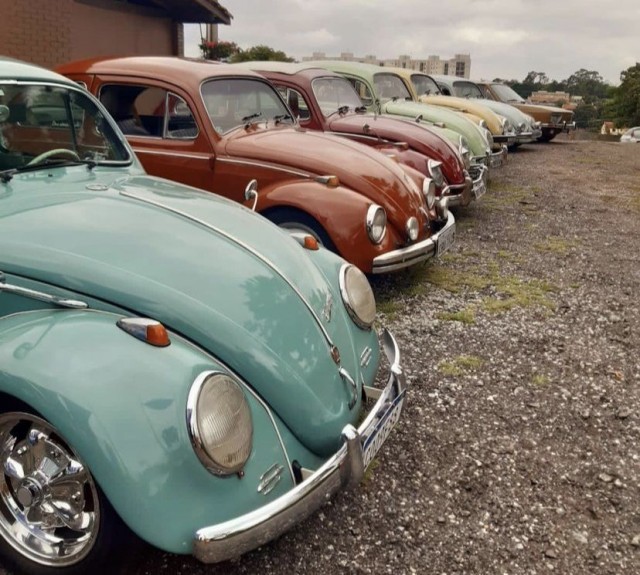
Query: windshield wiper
{"points": [[7, 175], [247, 119]]}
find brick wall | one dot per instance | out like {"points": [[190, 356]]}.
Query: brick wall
{"points": [[51, 32]]}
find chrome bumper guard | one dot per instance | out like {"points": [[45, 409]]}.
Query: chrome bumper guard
{"points": [[460, 194], [527, 137], [413, 254], [507, 139], [345, 469]]}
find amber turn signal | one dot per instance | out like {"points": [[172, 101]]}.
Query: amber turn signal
{"points": [[311, 243], [148, 330]]}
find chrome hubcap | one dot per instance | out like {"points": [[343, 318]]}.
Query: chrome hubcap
{"points": [[49, 509]]}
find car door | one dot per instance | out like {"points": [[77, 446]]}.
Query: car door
{"points": [[163, 128]]}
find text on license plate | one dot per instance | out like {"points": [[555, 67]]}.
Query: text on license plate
{"points": [[445, 240], [383, 428], [479, 189]]}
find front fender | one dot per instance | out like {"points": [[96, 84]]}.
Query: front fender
{"points": [[121, 404], [340, 211]]}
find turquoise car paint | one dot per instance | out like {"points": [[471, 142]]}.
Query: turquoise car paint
{"points": [[138, 450], [237, 294], [365, 73], [167, 276]]}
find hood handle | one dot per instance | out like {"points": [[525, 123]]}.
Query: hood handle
{"points": [[40, 296]]}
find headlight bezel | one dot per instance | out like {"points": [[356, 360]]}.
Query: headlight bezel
{"points": [[346, 284], [195, 426], [374, 212], [429, 192], [435, 171]]}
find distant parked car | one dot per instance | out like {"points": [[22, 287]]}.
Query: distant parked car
{"points": [[383, 91], [325, 101], [216, 126], [171, 363], [553, 120], [425, 89], [632, 135], [459, 92]]}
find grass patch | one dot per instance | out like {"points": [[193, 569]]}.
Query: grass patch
{"points": [[540, 380], [555, 245], [461, 365], [519, 293], [463, 316], [370, 471], [389, 308]]}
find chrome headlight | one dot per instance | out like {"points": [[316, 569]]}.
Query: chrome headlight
{"points": [[429, 191], [522, 126], [482, 124], [412, 228], [357, 296], [489, 136], [220, 424], [376, 223], [435, 171]]}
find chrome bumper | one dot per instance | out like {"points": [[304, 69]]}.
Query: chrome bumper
{"points": [[528, 137], [496, 159], [461, 194], [345, 469], [561, 127], [507, 139], [413, 254]]}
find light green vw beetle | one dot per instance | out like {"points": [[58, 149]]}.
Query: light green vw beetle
{"points": [[171, 364]]}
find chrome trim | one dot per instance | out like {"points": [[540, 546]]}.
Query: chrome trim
{"points": [[344, 374], [270, 478], [40, 296], [371, 212], [405, 257], [193, 428], [365, 357], [248, 249], [264, 165], [174, 153], [460, 194], [344, 469], [346, 300]]}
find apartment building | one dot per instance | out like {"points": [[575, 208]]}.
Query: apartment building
{"points": [[459, 65]]}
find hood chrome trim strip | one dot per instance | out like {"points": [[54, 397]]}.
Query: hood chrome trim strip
{"points": [[245, 247]]}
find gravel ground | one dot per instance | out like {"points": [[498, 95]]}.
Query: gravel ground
{"points": [[518, 449]]}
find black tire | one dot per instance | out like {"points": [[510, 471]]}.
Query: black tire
{"points": [[547, 137], [297, 220], [110, 540]]}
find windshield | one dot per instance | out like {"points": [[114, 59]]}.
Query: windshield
{"points": [[390, 86], [467, 90], [233, 102], [424, 85], [506, 93], [43, 125], [335, 93]]}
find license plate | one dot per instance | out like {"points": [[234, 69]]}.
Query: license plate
{"points": [[479, 188], [381, 431], [445, 240]]}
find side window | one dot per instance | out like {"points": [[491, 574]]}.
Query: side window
{"points": [[298, 105], [149, 111], [363, 91], [181, 124]]}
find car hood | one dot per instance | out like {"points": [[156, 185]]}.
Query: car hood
{"points": [[417, 136], [212, 271], [361, 168], [475, 107], [447, 118], [543, 113]]}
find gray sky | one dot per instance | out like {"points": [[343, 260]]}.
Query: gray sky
{"points": [[506, 38]]}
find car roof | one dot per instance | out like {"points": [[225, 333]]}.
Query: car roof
{"points": [[166, 68], [289, 68], [11, 69], [367, 71]]}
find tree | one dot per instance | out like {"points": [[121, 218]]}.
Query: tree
{"points": [[260, 52], [588, 84], [626, 99], [218, 50]]}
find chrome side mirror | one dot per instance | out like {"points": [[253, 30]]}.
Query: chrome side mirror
{"points": [[251, 193]]}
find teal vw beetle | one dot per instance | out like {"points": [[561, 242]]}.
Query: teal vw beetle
{"points": [[172, 365]]}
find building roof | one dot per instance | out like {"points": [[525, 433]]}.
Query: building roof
{"points": [[195, 11]]}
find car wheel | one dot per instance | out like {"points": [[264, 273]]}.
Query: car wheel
{"points": [[547, 137], [296, 221], [53, 517]]}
